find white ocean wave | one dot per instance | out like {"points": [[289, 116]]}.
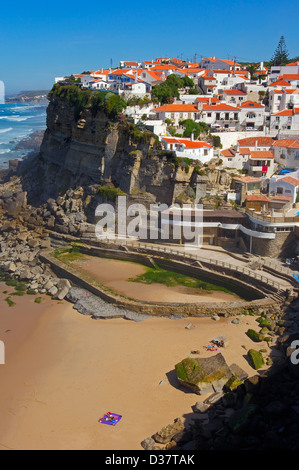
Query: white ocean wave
{"points": [[4, 151], [16, 118], [3, 131]]}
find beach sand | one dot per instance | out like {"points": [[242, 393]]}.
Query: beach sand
{"points": [[64, 371], [115, 274]]}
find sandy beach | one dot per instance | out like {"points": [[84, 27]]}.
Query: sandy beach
{"points": [[64, 371], [116, 275]]}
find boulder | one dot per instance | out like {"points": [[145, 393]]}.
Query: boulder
{"points": [[256, 359], [63, 287], [166, 434], [203, 375]]}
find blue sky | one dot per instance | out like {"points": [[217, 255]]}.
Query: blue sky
{"points": [[41, 40]]}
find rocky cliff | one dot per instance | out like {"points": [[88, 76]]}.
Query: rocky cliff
{"points": [[88, 148]]}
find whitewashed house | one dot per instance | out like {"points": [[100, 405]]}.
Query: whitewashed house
{"points": [[286, 153], [286, 121], [258, 163], [99, 85], [256, 143], [135, 89], [235, 158], [277, 70], [188, 148], [220, 116], [234, 97], [285, 185], [221, 64], [177, 112], [261, 163], [252, 115]]}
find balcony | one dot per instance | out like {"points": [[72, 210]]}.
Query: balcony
{"points": [[277, 218], [256, 168]]}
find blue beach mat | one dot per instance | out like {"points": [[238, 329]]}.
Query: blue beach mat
{"points": [[296, 276], [110, 418]]}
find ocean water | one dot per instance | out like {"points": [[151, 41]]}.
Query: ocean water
{"points": [[18, 121]]}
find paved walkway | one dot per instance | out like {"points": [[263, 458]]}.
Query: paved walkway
{"points": [[234, 258]]}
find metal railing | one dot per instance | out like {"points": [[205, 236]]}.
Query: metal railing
{"points": [[210, 261]]}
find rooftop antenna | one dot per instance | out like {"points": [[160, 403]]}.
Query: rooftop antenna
{"points": [[111, 63]]}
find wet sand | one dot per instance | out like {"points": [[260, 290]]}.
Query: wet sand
{"points": [[64, 371], [115, 274]]}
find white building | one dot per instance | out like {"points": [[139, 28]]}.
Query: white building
{"points": [[285, 185], [258, 163], [279, 100], [99, 85], [286, 153], [286, 121], [252, 115], [220, 116], [177, 112], [277, 70], [221, 64], [234, 97], [186, 148]]}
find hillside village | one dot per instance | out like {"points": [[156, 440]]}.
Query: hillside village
{"points": [[219, 115]]}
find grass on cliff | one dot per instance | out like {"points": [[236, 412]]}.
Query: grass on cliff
{"points": [[172, 279], [107, 102]]}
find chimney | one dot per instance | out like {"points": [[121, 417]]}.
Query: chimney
{"points": [[192, 137], [255, 148]]}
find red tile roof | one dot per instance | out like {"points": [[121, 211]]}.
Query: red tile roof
{"points": [[294, 76], [251, 104], [280, 197], [247, 179], [257, 197], [177, 108], [251, 141], [208, 99], [220, 107], [194, 144], [262, 154], [280, 83], [285, 112], [289, 143], [291, 180], [227, 153], [234, 92]]}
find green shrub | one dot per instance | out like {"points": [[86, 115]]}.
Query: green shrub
{"points": [[110, 192], [105, 101]]}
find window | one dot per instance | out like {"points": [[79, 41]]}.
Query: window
{"points": [[277, 118], [250, 115], [209, 114]]}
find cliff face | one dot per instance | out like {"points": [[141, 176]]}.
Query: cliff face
{"points": [[91, 150]]}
